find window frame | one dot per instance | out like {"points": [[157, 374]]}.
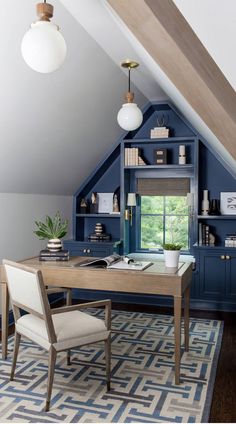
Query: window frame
{"points": [[138, 232]]}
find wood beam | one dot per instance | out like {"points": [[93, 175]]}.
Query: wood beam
{"points": [[165, 34]]}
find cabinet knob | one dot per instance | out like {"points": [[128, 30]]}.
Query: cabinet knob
{"points": [[222, 257], [88, 250], [85, 251], [227, 257]]}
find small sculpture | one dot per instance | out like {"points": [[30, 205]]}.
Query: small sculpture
{"points": [[161, 131], [115, 204], [94, 203], [83, 206], [205, 203], [99, 233]]}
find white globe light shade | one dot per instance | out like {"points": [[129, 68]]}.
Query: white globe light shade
{"points": [[43, 47], [129, 117]]}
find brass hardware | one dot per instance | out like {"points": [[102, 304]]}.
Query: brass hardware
{"points": [[127, 214], [129, 64], [222, 257], [227, 257]]}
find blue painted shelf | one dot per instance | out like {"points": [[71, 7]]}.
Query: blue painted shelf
{"points": [[160, 166], [97, 215], [222, 217]]}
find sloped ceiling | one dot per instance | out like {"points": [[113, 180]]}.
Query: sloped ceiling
{"points": [[214, 23], [55, 128], [186, 70]]}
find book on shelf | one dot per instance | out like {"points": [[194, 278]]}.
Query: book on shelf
{"points": [[205, 237], [230, 240], [141, 161], [116, 262], [133, 157], [159, 132]]}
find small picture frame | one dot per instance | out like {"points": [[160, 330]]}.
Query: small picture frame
{"points": [[105, 202], [228, 203], [160, 156]]}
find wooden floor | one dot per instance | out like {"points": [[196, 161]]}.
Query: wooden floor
{"points": [[223, 409]]}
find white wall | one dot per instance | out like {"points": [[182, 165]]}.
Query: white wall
{"points": [[17, 215]]}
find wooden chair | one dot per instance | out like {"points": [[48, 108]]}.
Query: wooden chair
{"points": [[56, 329]]}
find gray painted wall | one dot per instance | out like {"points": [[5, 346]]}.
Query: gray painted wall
{"points": [[54, 128], [17, 215]]}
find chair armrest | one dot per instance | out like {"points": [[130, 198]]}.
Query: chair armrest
{"points": [[52, 290], [106, 303]]}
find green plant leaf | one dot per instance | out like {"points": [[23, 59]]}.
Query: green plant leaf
{"points": [[52, 227]]}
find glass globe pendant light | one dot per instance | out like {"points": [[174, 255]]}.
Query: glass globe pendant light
{"points": [[43, 47], [129, 116]]}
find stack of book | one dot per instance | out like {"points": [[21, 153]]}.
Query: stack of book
{"points": [[203, 235], [61, 255], [133, 157], [159, 132], [230, 240]]}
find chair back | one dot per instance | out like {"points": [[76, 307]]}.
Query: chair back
{"points": [[26, 288]]}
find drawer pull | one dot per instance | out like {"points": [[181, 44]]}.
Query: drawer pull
{"points": [[227, 257], [88, 250], [222, 257], [85, 251]]}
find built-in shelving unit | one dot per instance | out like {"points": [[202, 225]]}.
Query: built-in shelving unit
{"points": [[213, 283]]}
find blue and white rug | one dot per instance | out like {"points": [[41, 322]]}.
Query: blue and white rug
{"points": [[143, 388]]}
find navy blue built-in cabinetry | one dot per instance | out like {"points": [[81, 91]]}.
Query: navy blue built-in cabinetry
{"points": [[214, 277]]}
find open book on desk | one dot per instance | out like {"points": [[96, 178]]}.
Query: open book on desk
{"points": [[116, 262]]}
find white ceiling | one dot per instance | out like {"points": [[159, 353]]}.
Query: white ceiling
{"points": [[55, 128]]}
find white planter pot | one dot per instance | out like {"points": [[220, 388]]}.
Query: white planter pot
{"points": [[171, 258], [54, 245]]}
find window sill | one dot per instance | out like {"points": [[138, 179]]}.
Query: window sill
{"points": [[159, 257]]}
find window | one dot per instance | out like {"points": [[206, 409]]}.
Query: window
{"points": [[163, 219]]}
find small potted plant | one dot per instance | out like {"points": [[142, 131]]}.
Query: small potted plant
{"points": [[171, 254], [52, 229]]}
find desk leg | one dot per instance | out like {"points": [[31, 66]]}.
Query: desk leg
{"points": [[5, 316], [177, 318], [186, 317]]}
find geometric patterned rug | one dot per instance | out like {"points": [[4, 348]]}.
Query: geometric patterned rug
{"points": [[142, 386]]}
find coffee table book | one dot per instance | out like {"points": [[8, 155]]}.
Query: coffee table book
{"points": [[47, 255]]}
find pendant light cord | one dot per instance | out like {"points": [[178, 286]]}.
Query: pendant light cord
{"points": [[129, 82]]}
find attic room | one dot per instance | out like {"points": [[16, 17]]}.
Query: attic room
{"points": [[118, 211]]}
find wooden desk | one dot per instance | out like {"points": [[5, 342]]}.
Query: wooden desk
{"points": [[154, 280]]}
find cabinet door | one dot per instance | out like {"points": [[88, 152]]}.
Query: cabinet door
{"points": [[231, 275], [212, 275], [98, 251]]}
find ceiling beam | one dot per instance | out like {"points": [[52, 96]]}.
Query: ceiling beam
{"points": [[165, 34]]}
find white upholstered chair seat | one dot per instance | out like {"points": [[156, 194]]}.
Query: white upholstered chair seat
{"points": [[68, 326]]}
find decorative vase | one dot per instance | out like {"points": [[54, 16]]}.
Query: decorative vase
{"points": [[182, 155], [54, 245], [205, 203], [171, 258]]}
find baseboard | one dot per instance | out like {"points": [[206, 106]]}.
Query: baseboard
{"points": [[151, 300]]}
